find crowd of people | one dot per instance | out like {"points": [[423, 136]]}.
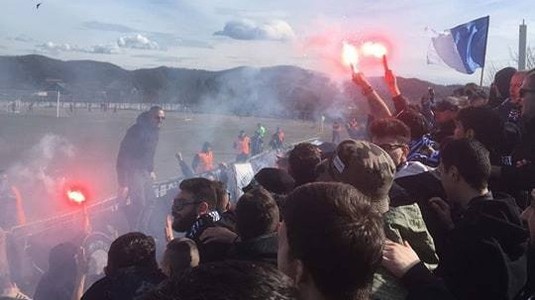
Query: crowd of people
{"points": [[437, 203]]}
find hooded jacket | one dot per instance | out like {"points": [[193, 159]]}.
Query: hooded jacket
{"points": [[137, 149], [484, 255]]}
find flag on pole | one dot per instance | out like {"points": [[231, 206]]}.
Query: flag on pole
{"points": [[463, 47]]}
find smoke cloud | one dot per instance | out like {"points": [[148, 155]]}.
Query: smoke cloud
{"points": [[42, 162]]}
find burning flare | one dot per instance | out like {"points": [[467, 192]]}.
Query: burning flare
{"points": [[350, 56], [76, 196], [373, 49]]}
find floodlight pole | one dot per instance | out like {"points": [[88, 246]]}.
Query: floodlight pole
{"points": [[57, 105]]}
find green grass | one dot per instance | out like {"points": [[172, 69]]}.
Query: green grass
{"points": [[96, 136]]}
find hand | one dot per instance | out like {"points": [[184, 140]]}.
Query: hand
{"points": [[392, 83], [82, 262], [11, 290], [399, 258], [178, 156], [218, 234], [360, 80], [169, 235], [521, 163], [122, 192], [443, 211], [152, 175]]}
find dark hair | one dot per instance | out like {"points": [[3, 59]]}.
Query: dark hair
{"points": [[257, 214], [132, 249], [487, 126], [416, 122], [62, 259], [472, 160], [202, 189], [390, 127], [220, 189], [206, 146], [227, 280], [302, 162], [180, 254], [331, 228], [155, 109]]}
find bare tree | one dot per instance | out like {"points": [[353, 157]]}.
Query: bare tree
{"points": [[530, 57]]}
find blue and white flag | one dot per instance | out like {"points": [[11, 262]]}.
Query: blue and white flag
{"points": [[463, 47]]}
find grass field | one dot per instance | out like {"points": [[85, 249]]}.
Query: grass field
{"points": [[95, 137]]}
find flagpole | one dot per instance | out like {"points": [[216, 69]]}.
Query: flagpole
{"points": [[482, 73], [485, 53]]}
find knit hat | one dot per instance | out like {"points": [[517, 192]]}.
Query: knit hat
{"points": [[274, 180], [365, 166]]}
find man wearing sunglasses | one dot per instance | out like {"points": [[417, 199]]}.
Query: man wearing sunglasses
{"points": [[135, 164], [194, 210]]}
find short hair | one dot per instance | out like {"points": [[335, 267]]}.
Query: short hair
{"points": [[416, 122], [155, 109], [390, 127], [61, 259], [180, 254], [471, 159], [202, 189], [302, 161], [220, 189], [227, 280], [132, 249], [331, 228], [257, 214], [487, 126]]}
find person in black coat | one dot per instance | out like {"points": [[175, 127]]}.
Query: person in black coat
{"points": [[135, 162]]}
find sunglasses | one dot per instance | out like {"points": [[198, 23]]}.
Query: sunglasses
{"points": [[180, 204], [390, 147], [524, 92]]}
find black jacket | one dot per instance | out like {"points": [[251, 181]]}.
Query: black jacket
{"points": [[260, 249], [137, 149], [484, 255], [125, 284]]}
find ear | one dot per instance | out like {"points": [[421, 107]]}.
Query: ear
{"points": [[454, 173], [405, 150], [469, 134], [300, 274], [203, 208]]}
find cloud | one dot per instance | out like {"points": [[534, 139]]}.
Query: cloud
{"points": [[96, 49], [137, 41], [95, 25], [21, 38], [277, 30]]}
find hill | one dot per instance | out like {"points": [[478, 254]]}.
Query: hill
{"points": [[280, 91]]}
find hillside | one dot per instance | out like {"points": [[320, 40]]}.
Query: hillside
{"points": [[274, 91]]}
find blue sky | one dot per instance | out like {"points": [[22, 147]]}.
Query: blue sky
{"points": [[216, 34]]}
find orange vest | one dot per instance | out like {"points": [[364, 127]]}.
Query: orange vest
{"points": [[206, 162], [242, 145]]}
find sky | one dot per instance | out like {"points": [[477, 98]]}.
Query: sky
{"points": [[218, 35]]}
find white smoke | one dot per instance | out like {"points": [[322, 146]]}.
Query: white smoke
{"points": [[245, 29], [39, 163]]}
